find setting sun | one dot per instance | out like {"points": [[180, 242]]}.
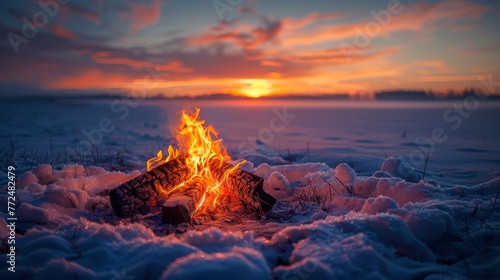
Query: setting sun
{"points": [[256, 88]]}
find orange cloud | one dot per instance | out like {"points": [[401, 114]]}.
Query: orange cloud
{"points": [[246, 37], [106, 57], [422, 17], [175, 67], [90, 79], [62, 32], [336, 56], [270, 63], [144, 15], [293, 23], [431, 63]]}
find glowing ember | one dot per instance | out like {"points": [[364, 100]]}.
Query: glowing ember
{"points": [[202, 149]]}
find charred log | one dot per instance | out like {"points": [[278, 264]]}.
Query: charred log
{"points": [[144, 189], [247, 187], [181, 205]]}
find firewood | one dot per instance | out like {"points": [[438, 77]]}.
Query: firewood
{"points": [[177, 209], [143, 190], [247, 187], [182, 203]]}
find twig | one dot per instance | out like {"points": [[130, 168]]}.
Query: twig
{"points": [[425, 165], [475, 209], [329, 185], [308, 149], [495, 199], [349, 190], [384, 152]]}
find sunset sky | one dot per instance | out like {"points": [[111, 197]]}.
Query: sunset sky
{"points": [[194, 47]]}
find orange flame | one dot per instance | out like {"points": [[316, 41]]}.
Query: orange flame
{"points": [[202, 146]]}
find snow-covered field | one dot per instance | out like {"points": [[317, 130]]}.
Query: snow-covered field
{"points": [[352, 203]]}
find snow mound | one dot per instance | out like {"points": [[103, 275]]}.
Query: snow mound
{"points": [[26, 179], [27, 213], [380, 204], [277, 185], [397, 167], [69, 198], [44, 174], [238, 264], [371, 246], [345, 173], [293, 172]]}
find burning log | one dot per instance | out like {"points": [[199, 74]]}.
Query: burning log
{"points": [[181, 205], [247, 187], [144, 189], [178, 209], [196, 177]]}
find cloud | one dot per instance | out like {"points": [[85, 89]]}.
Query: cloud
{"points": [[336, 56], [270, 63], [431, 63], [250, 39], [478, 50], [60, 31], [144, 15], [458, 78], [90, 79], [312, 18], [421, 17], [72, 9]]}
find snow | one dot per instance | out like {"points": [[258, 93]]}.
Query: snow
{"points": [[239, 263], [27, 213], [396, 167], [389, 231], [345, 174], [342, 213]]}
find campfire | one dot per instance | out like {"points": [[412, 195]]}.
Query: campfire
{"points": [[195, 176]]}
